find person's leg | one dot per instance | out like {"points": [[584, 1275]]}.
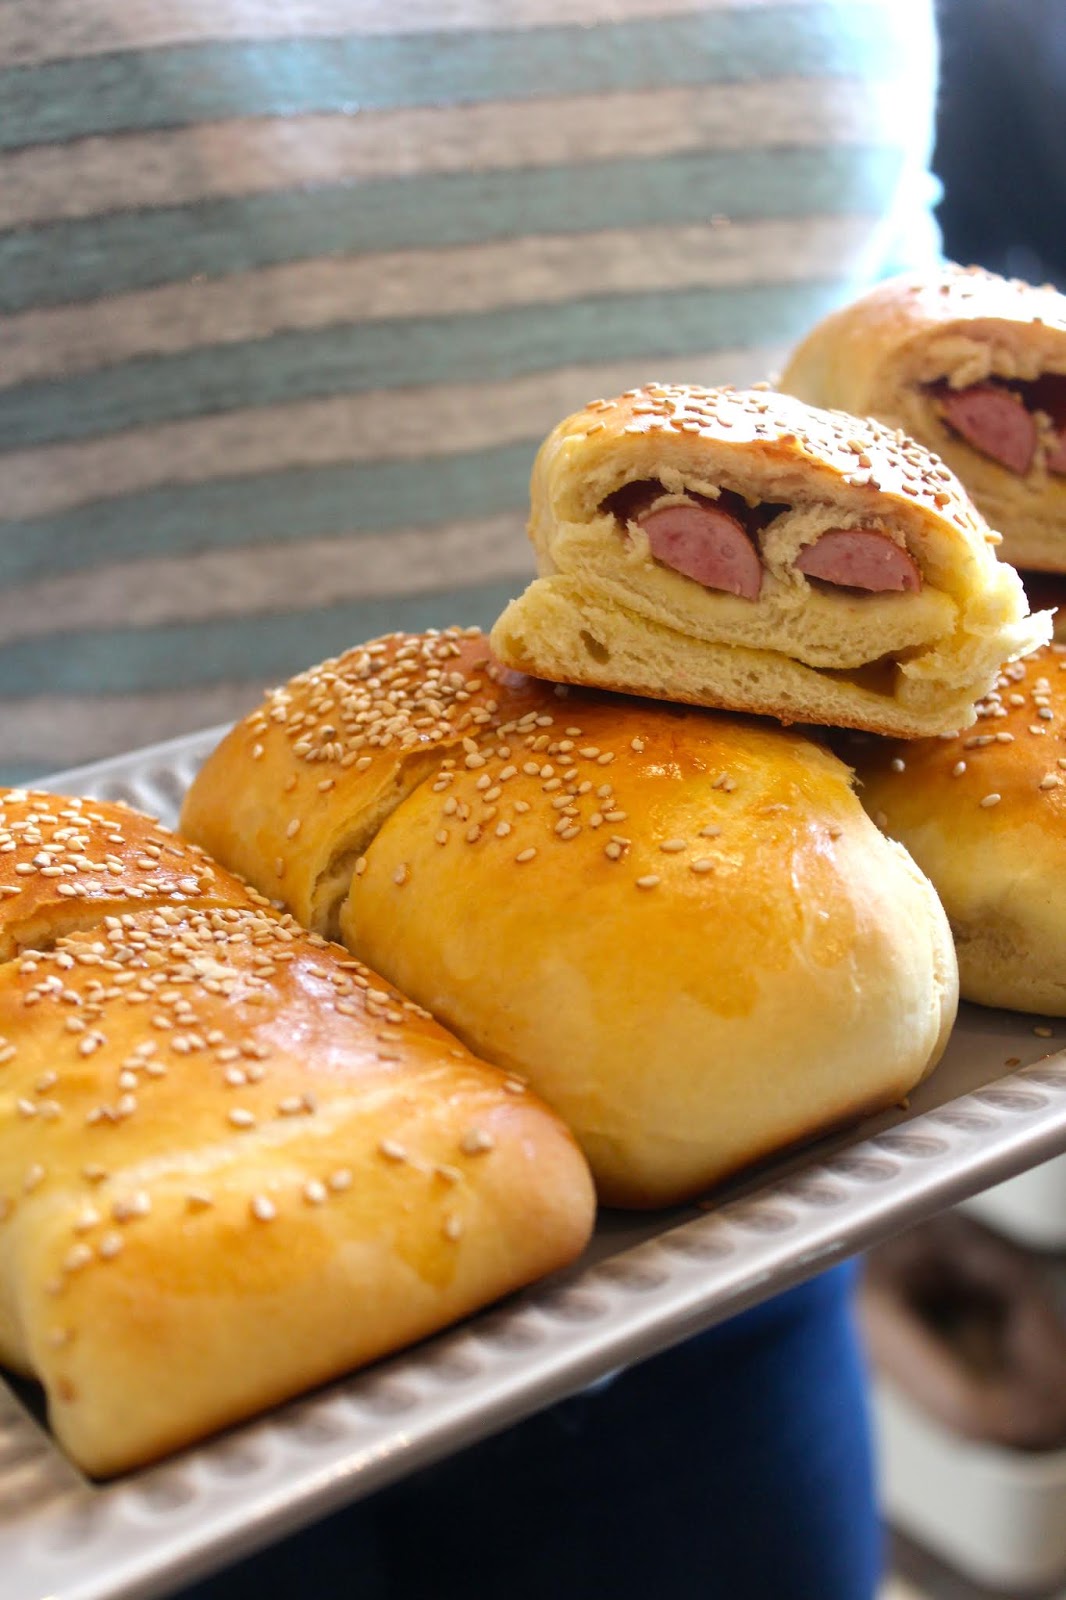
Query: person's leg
{"points": [[736, 1466]]}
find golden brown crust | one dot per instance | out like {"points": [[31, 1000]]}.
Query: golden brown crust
{"points": [[963, 325], [234, 1162], [679, 926], [798, 650], [763, 430], [984, 815], [291, 795], [67, 863]]}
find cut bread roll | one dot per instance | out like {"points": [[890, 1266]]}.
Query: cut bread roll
{"points": [[974, 366], [739, 549], [681, 927], [234, 1163], [984, 815]]}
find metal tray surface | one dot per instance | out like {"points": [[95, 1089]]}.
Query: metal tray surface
{"points": [[995, 1106]]}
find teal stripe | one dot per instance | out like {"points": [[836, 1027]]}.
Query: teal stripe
{"points": [[182, 85], [16, 774], [495, 346], [295, 504], [261, 648], [79, 260]]}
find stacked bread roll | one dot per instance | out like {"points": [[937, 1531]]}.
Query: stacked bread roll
{"points": [[234, 1162], [741, 550], [680, 926]]}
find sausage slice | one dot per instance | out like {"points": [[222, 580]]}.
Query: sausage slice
{"points": [[993, 420], [707, 544], [859, 558]]}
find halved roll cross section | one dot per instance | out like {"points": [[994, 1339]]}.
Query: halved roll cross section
{"points": [[716, 543], [736, 548]]}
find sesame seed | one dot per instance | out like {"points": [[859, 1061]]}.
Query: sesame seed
{"points": [[240, 1117], [476, 1141], [992, 799], [78, 1256], [650, 880], [525, 855], [958, 769], [702, 865], [452, 1228], [263, 1208], [672, 846], [131, 1207], [392, 1149], [898, 764], [110, 1246], [315, 1193], [1051, 780], [400, 876], [340, 1180]]}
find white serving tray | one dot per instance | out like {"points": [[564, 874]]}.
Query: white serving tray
{"points": [[995, 1106]]}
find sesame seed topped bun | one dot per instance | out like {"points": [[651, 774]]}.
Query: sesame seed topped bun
{"points": [[984, 815], [238, 1163], [737, 548], [973, 365], [680, 927]]}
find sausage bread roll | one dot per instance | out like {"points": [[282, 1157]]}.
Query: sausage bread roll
{"points": [[680, 926], [984, 814], [233, 1161], [974, 366], [739, 549]]}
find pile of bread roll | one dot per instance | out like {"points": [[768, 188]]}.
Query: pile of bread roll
{"points": [[461, 929]]}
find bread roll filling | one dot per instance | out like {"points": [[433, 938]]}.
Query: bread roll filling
{"points": [[718, 542], [1021, 424], [834, 588]]}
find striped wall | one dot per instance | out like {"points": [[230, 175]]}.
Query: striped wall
{"points": [[289, 294]]}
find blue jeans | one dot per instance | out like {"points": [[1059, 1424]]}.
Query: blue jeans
{"points": [[735, 1467]]}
